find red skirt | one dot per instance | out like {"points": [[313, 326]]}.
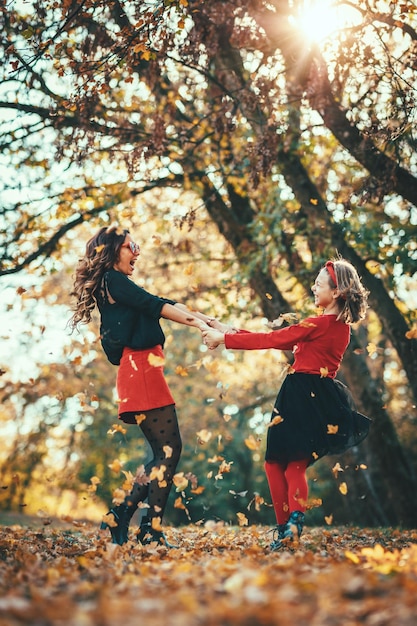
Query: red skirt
{"points": [[141, 384]]}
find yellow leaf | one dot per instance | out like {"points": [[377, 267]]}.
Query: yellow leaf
{"points": [[140, 418], [252, 443], [116, 466], [275, 420], [157, 473], [352, 557], [371, 348], [119, 496], [179, 504], [328, 519], [268, 295], [336, 469], [411, 334], [168, 451], [156, 361], [180, 481], [198, 490], [181, 371], [243, 520], [156, 523], [227, 417], [332, 429], [343, 489], [204, 435], [324, 372]]}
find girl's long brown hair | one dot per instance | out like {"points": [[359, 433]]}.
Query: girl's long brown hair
{"points": [[353, 295], [102, 252]]}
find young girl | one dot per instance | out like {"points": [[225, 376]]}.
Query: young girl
{"points": [[131, 336], [313, 413]]}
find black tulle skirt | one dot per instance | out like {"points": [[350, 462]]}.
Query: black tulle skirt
{"points": [[312, 417]]}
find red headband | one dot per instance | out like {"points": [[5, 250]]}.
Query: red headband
{"points": [[330, 268]]}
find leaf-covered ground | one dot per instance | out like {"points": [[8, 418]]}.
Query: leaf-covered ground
{"points": [[218, 576]]}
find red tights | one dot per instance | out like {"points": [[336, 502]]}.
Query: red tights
{"points": [[288, 487]]}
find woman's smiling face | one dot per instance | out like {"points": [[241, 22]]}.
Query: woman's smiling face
{"points": [[324, 295], [128, 254]]}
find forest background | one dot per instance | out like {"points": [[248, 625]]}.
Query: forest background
{"points": [[242, 144]]}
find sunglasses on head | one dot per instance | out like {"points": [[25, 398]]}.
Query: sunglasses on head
{"points": [[134, 247]]}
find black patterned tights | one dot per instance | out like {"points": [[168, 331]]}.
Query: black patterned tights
{"points": [[160, 428]]}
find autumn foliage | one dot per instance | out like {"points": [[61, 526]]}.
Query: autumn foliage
{"points": [[68, 573]]}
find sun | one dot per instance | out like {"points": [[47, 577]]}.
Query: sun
{"points": [[320, 19]]}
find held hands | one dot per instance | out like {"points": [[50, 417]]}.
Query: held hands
{"points": [[213, 338]]}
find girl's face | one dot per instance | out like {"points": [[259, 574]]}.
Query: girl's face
{"points": [[324, 295], [128, 254]]}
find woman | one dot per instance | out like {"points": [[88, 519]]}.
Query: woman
{"points": [[132, 338], [313, 413]]}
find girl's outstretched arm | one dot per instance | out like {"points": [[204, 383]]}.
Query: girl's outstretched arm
{"points": [[179, 313]]}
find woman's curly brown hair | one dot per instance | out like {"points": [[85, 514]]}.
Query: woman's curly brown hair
{"points": [[102, 252], [353, 295]]}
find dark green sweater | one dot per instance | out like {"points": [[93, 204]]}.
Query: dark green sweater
{"points": [[132, 320]]}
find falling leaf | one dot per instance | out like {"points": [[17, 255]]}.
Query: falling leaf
{"points": [[119, 496], [133, 364], [243, 520], [155, 360], [328, 519], [117, 428], [140, 418], [324, 372], [204, 435], [371, 348], [257, 500], [110, 520], [116, 466], [343, 489], [156, 523], [412, 333], [168, 451], [314, 201], [180, 481], [268, 295], [252, 443], [98, 249], [129, 481], [332, 429], [336, 469], [198, 490], [227, 417], [275, 420], [181, 371], [157, 473], [179, 504]]}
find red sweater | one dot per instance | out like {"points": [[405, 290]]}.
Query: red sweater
{"points": [[318, 343]]}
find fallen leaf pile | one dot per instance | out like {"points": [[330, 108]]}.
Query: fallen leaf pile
{"points": [[218, 576]]}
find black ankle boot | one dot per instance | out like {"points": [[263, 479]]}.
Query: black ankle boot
{"points": [[277, 535], [147, 535], [122, 515], [288, 534]]}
